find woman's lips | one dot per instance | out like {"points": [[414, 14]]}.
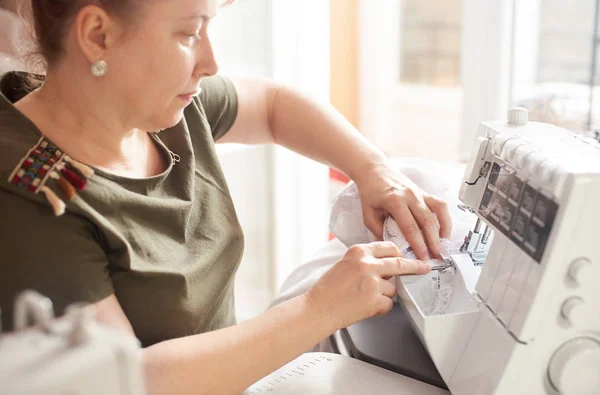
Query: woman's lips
{"points": [[190, 96]]}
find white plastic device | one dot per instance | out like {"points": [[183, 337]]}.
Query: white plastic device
{"points": [[72, 354], [528, 320]]}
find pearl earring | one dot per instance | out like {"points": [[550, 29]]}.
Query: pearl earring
{"points": [[99, 68]]}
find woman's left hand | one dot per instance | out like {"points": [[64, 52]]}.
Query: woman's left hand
{"points": [[422, 218]]}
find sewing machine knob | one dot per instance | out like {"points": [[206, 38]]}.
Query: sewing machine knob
{"points": [[577, 270], [521, 154], [81, 314], [548, 172], [510, 147], [498, 142], [572, 310], [534, 163], [518, 116], [573, 368]]}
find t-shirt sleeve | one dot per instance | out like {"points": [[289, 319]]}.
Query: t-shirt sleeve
{"points": [[59, 257], [220, 101]]}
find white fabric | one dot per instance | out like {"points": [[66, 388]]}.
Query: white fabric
{"points": [[346, 223], [303, 278], [436, 292]]}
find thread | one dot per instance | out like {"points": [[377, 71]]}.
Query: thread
{"points": [[67, 189], [57, 204], [74, 179], [84, 169]]}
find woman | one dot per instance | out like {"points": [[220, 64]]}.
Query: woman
{"points": [[151, 236]]}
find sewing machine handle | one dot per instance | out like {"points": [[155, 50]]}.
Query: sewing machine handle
{"points": [[30, 305]]}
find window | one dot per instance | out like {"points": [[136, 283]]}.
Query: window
{"points": [[555, 68], [430, 42], [423, 110]]}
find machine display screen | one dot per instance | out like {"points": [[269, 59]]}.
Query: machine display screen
{"points": [[518, 210]]}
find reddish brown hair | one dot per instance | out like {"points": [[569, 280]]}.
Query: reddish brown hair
{"points": [[51, 19]]}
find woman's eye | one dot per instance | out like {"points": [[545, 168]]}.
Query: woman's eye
{"points": [[193, 33], [192, 37]]}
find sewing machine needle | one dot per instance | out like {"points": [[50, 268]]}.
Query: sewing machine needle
{"points": [[444, 264]]}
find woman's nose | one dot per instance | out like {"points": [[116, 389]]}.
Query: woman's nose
{"points": [[207, 64]]}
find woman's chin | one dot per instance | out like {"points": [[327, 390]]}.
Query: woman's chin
{"points": [[168, 122]]}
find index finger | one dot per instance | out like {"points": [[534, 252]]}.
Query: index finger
{"points": [[398, 266]]}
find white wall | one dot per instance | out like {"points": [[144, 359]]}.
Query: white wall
{"points": [[486, 65], [301, 59], [241, 35], [281, 198], [241, 38]]}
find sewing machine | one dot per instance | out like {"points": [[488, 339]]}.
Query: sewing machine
{"points": [[72, 354], [524, 316], [521, 311]]}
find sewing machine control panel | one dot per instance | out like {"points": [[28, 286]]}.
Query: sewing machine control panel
{"points": [[518, 210]]}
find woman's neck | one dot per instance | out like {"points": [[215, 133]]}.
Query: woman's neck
{"points": [[88, 131]]}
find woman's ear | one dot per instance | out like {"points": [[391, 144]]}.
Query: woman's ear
{"points": [[94, 30]]}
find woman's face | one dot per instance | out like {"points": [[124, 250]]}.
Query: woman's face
{"points": [[158, 67]]}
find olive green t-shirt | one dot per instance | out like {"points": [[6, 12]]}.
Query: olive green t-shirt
{"points": [[167, 246]]}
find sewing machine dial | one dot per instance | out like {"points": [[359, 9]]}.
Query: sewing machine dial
{"points": [[573, 369]]}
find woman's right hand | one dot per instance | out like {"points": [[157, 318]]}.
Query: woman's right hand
{"points": [[356, 287]]}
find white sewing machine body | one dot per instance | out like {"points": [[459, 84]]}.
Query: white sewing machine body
{"points": [[528, 319], [70, 355]]}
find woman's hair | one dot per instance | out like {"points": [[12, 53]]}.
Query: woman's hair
{"points": [[49, 21]]}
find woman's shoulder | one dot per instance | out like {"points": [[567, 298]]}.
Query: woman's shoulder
{"points": [[31, 166], [215, 94], [17, 133], [217, 105], [35, 171], [19, 149]]}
